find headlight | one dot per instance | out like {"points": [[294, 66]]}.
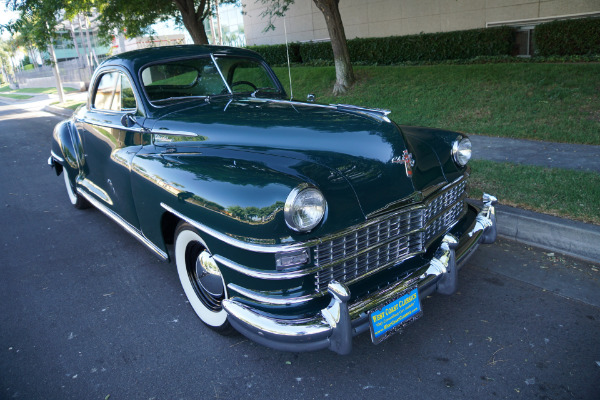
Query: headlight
{"points": [[461, 151], [304, 208]]}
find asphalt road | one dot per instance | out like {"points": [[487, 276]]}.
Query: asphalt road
{"points": [[89, 313]]}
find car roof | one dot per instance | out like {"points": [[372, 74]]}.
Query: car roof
{"points": [[136, 59]]}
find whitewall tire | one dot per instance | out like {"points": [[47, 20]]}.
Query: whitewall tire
{"points": [[200, 278]]}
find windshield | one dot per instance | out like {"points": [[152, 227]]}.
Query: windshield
{"points": [[200, 77]]}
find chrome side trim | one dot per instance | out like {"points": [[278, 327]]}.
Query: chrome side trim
{"points": [[57, 157], [97, 190], [124, 224], [160, 131], [232, 241], [266, 299], [375, 113], [113, 126], [254, 273]]}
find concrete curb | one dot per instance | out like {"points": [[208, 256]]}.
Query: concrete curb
{"points": [[562, 235], [65, 112]]}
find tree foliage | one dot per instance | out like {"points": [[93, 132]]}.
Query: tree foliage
{"points": [[133, 17]]}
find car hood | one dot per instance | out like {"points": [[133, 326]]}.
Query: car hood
{"points": [[356, 145]]}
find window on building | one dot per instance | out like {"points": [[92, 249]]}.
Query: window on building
{"points": [[524, 41]]}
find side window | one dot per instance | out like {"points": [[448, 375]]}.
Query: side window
{"points": [[114, 93], [106, 92], [127, 97]]}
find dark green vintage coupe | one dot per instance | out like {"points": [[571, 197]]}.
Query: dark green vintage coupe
{"points": [[298, 224]]}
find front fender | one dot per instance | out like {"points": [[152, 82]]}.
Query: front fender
{"points": [[427, 142], [240, 194]]}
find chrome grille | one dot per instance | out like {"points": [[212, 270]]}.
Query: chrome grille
{"points": [[444, 221], [355, 267], [387, 241]]}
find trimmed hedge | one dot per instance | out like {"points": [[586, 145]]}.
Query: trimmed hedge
{"points": [[399, 49], [276, 54], [569, 37]]}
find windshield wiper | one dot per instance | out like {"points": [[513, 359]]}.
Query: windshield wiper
{"points": [[265, 90]]}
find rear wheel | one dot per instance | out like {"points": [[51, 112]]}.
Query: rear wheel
{"points": [[76, 199], [201, 278]]}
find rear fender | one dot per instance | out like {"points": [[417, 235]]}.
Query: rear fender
{"points": [[66, 144]]}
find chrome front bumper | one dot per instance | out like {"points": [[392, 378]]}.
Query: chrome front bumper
{"points": [[337, 323]]}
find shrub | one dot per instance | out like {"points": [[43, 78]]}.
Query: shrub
{"points": [[423, 47], [316, 52], [569, 37], [276, 54]]}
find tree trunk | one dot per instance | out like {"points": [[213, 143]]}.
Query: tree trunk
{"points": [[87, 35], [86, 51], [344, 75], [219, 22], [193, 18], [59, 86], [75, 42]]}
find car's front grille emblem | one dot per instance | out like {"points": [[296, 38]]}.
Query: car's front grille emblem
{"points": [[407, 160]]}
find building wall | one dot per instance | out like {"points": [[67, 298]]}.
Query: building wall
{"points": [[376, 18]]}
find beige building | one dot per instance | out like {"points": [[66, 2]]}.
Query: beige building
{"points": [[377, 18]]}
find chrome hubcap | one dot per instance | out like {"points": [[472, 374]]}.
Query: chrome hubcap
{"points": [[205, 276]]}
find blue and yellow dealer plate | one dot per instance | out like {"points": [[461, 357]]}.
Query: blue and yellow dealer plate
{"points": [[391, 317]]}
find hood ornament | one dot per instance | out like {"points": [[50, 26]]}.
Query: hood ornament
{"points": [[407, 160]]}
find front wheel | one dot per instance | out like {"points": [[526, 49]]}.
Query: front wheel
{"points": [[201, 278], [76, 199]]}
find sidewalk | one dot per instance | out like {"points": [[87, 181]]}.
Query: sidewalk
{"points": [[40, 101], [580, 157]]}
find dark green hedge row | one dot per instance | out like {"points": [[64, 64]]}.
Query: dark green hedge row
{"points": [[569, 37], [400, 49], [276, 54]]}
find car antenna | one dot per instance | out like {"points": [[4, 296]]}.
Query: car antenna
{"points": [[287, 50]]}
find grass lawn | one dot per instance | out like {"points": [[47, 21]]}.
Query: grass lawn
{"points": [[16, 96], [564, 193], [68, 104], [50, 90], [553, 102]]}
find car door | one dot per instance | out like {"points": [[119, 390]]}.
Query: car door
{"points": [[109, 146]]}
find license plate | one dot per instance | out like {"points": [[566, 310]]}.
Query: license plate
{"points": [[391, 317]]}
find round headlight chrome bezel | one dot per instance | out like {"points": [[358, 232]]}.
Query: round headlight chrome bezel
{"points": [[291, 208], [462, 151]]}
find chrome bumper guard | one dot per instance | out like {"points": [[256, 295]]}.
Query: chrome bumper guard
{"points": [[334, 328]]}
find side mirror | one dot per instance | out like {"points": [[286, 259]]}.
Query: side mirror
{"points": [[128, 120], [310, 98]]}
